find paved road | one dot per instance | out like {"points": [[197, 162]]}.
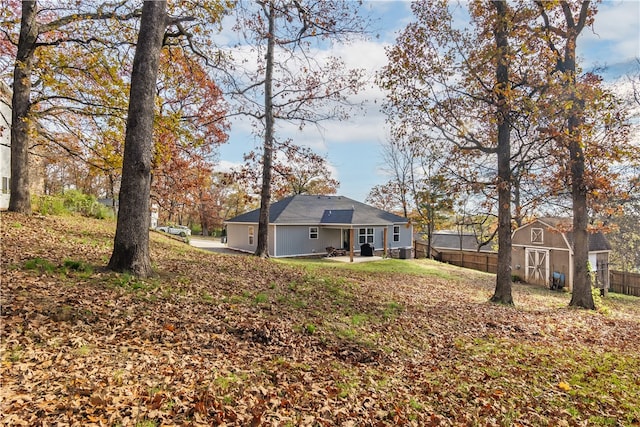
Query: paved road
{"points": [[211, 244]]}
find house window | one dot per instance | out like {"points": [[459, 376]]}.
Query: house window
{"points": [[396, 233], [251, 235], [537, 235], [365, 235], [313, 232], [5, 185]]}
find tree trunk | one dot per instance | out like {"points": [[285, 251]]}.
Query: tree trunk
{"points": [[430, 228], [581, 295], [20, 198], [262, 249], [502, 292], [131, 244]]}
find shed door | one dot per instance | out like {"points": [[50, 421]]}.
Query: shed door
{"points": [[537, 266]]}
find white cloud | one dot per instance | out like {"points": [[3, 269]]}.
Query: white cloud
{"points": [[227, 166], [615, 36], [353, 146]]}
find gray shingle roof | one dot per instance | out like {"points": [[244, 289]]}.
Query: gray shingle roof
{"points": [[455, 241], [597, 240], [307, 209]]}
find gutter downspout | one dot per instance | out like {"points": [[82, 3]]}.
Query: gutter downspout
{"points": [[275, 241]]}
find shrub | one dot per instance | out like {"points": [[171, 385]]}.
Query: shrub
{"points": [[49, 205], [71, 201]]}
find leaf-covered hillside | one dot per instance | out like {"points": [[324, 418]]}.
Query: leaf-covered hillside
{"points": [[236, 340]]}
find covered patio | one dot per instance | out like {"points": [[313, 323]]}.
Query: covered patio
{"points": [[355, 259]]}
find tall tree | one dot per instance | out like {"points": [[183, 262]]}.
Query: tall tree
{"points": [[81, 73], [565, 29], [262, 248], [59, 26], [418, 184], [457, 87], [131, 243], [433, 200], [21, 124], [189, 127], [399, 162], [288, 83], [503, 89]]}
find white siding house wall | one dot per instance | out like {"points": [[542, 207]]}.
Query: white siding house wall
{"points": [[406, 237], [5, 151], [295, 240], [238, 237]]}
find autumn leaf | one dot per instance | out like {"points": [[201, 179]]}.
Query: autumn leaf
{"points": [[446, 358], [564, 386]]}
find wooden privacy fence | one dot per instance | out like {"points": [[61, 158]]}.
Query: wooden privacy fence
{"points": [[619, 281], [624, 283], [481, 261]]}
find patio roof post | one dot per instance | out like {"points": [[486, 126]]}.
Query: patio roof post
{"points": [[351, 240]]}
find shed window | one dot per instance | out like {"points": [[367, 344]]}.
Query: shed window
{"points": [[251, 234], [5, 185], [396, 233], [365, 235], [313, 232], [537, 235]]}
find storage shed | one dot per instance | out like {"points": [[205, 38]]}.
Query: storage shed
{"points": [[543, 254]]}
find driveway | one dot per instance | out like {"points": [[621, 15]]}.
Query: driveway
{"points": [[212, 244]]}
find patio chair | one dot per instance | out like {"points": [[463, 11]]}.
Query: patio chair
{"points": [[331, 251]]}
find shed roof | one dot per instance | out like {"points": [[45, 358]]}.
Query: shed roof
{"points": [[322, 210], [597, 240]]}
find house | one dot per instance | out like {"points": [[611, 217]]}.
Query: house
{"points": [[306, 225], [5, 144], [542, 253]]}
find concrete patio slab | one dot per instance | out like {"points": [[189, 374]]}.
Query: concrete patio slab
{"points": [[355, 258]]}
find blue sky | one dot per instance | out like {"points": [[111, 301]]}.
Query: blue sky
{"points": [[353, 147]]}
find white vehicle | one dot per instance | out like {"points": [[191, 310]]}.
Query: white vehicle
{"points": [[179, 230]]}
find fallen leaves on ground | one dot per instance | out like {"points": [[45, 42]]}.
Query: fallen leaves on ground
{"points": [[237, 340]]}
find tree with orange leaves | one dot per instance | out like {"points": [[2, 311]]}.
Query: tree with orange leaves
{"points": [[461, 88], [588, 129]]}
